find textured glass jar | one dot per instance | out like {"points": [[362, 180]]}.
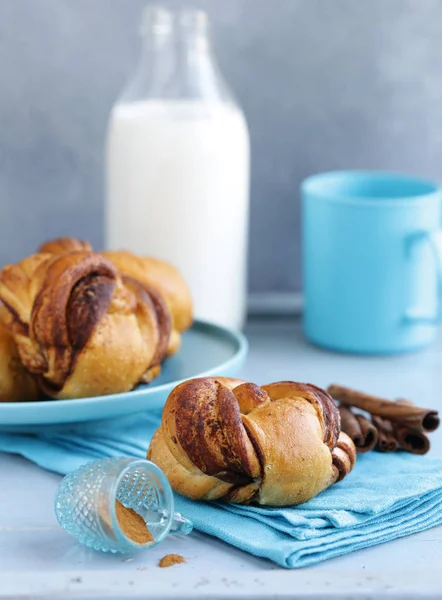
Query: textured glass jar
{"points": [[178, 165], [86, 498]]}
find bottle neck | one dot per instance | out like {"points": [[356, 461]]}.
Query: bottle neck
{"points": [[176, 60]]}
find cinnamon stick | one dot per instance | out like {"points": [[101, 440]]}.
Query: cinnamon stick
{"points": [[363, 433], [430, 423], [350, 425], [410, 439], [423, 419], [387, 441], [369, 434]]}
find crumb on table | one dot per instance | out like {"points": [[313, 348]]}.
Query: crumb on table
{"points": [[171, 559]]}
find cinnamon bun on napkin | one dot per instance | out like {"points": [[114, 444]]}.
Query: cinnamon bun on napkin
{"points": [[225, 439]]}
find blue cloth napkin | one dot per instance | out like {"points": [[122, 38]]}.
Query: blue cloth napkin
{"points": [[387, 496]]}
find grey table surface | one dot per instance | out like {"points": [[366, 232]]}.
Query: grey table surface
{"points": [[39, 560]]}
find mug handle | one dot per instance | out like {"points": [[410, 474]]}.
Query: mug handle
{"points": [[434, 240]]}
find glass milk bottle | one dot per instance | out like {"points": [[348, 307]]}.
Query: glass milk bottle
{"points": [[178, 166]]}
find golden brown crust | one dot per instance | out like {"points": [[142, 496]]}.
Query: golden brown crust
{"points": [[164, 278], [79, 327], [18, 284], [323, 403], [16, 383], [190, 482], [222, 438], [64, 244]]}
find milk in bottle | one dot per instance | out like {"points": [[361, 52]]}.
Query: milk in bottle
{"points": [[178, 167]]}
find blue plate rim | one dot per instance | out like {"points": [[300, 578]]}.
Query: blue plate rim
{"points": [[235, 336]]}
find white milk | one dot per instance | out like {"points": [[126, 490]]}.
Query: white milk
{"points": [[178, 189]]}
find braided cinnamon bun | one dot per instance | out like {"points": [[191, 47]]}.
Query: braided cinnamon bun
{"points": [[152, 272], [225, 439], [80, 326]]}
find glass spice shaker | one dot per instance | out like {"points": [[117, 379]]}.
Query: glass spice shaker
{"points": [[85, 504]]}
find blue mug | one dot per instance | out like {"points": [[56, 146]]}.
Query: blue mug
{"points": [[372, 261]]}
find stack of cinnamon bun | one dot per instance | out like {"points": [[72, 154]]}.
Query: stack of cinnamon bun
{"points": [[77, 323]]}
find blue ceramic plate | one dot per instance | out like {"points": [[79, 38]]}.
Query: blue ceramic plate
{"points": [[206, 350]]}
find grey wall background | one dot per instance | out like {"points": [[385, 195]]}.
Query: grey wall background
{"points": [[325, 84]]}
